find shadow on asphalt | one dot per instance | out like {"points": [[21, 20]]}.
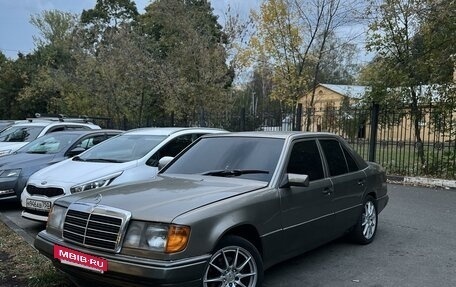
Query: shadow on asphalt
{"points": [[8, 205]]}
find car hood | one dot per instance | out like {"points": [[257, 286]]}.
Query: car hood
{"points": [[166, 197], [22, 160], [76, 172], [13, 146]]}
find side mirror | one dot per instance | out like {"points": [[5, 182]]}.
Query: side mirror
{"points": [[293, 179], [75, 151], [164, 161]]}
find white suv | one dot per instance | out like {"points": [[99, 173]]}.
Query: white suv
{"points": [[131, 156], [16, 136]]}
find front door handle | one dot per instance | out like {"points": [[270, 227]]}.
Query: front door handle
{"points": [[327, 190]]}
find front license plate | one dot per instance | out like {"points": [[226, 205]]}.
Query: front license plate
{"points": [[79, 259], [38, 204]]}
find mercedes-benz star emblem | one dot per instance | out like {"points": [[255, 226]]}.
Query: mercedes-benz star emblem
{"points": [[98, 198]]}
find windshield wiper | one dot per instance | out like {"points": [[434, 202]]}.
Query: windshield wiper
{"points": [[103, 160], [38, 151], [77, 158], [233, 172]]}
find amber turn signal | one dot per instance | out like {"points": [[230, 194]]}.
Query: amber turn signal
{"points": [[177, 238]]}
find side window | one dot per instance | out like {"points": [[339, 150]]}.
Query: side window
{"points": [[305, 159], [56, 129], [89, 142], [334, 157], [74, 128], [352, 166], [172, 148]]}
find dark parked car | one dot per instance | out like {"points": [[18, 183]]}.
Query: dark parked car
{"points": [[16, 168], [221, 212]]}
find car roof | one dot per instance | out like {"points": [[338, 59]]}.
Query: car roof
{"points": [[172, 130], [86, 132], [275, 134], [50, 123]]}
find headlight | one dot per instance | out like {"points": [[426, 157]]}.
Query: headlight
{"points": [[157, 237], [10, 172], [55, 220], [5, 152], [105, 181]]}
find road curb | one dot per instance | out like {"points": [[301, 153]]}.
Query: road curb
{"points": [[423, 181], [19, 231]]}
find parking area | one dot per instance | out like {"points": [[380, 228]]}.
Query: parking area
{"points": [[415, 246]]}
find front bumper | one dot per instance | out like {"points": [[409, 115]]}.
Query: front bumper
{"points": [[8, 187], [127, 270]]}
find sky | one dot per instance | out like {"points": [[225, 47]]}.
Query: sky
{"points": [[16, 32]]}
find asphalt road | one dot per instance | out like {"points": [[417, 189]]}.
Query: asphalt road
{"points": [[415, 246]]}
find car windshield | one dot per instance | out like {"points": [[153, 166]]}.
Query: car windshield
{"points": [[20, 133], [49, 144], [123, 148], [245, 157], [4, 125]]}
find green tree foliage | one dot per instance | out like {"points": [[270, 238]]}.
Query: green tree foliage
{"points": [[134, 69], [194, 76], [105, 19], [48, 67], [121, 80], [413, 40], [110, 13], [10, 85]]}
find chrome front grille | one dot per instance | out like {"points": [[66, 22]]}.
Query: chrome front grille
{"points": [[95, 226], [46, 191]]}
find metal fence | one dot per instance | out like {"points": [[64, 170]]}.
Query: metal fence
{"points": [[421, 142]]}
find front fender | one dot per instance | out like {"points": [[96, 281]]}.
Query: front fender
{"points": [[259, 209]]}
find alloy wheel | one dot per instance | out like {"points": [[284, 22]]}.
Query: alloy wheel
{"points": [[369, 220], [231, 266]]}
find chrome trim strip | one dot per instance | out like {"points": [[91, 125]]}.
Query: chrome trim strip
{"points": [[309, 221], [272, 232], [346, 209], [8, 197]]}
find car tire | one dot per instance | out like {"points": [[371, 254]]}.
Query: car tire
{"points": [[365, 229], [234, 261]]}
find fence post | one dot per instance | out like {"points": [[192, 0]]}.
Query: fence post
{"points": [[298, 125], [373, 132], [242, 118]]}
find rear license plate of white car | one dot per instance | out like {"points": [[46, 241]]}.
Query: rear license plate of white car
{"points": [[38, 204]]}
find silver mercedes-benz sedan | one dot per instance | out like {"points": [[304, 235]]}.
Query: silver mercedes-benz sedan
{"points": [[218, 214]]}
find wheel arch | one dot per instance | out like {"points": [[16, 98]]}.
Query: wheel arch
{"points": [[246, 231], [371, 193]]}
